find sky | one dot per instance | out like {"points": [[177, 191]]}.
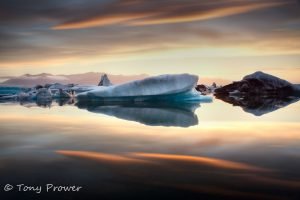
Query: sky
{"points": [[218, 39]]}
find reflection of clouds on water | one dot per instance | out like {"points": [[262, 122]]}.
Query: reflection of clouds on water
{"points": [[198, 160], [201, 175], [104, 157], [156, 158], [115, 158]]}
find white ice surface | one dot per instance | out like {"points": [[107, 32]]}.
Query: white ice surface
{"points": [[152, 86]]}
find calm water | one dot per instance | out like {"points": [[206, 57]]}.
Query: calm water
{"points": [[150, 151]]}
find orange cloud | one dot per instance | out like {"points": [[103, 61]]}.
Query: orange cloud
{"points": [[210, 14], [98, 21], [160, 14]]}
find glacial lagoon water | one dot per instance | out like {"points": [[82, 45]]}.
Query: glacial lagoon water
{"points": [[149, 151]]}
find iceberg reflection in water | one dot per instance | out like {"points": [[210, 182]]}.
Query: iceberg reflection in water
{"points": [[148, 113]]}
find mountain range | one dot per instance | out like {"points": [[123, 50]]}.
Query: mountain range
{"points": [[90, 78]]}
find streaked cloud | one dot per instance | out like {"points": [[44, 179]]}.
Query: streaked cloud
{"points": [[111, 35], [98, 21], [132, 12], [205, 15]]}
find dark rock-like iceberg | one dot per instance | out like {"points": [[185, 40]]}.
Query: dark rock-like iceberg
{"points": [[260, 84], [259, 93]]}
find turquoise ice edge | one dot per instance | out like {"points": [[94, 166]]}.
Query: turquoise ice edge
{"points": [[189, 96]]}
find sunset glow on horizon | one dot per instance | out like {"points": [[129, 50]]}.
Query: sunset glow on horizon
{"points": [[216, 40]]}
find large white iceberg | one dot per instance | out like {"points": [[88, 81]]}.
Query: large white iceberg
{"points": [[180, 87]]}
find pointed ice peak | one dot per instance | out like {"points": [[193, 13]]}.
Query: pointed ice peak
{"points": [[104, 81]]}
